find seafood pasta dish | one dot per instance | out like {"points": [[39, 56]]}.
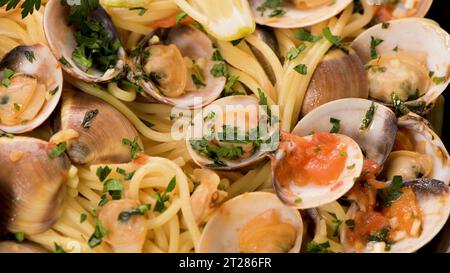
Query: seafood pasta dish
{"points": [[211, 126]]}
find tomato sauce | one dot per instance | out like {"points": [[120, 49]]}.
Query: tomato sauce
{"points": [[366, 224], [319, 160]]}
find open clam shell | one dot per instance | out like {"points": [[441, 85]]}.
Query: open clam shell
{"points": [[403, 9], [314, 193], [62, 42], [189, 43], [376, 141], [297, 17], [223, 230], [416, 38], [37, 63], [244, 112]]}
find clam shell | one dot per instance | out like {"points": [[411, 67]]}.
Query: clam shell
{"points": [[46, 69], [412, 35], [221, 233], [296, 18]]}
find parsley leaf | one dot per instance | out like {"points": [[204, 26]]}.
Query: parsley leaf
{"points": [[161, 199], [318, 248], [97, 237], [374, 42], [58, 150], [124, 216], [394, 192], [58, 248], [114, 187], [134, 147], [219, 70], [368, 118], [294, 52], [304, 35], [336, 125], [103, 172], [301, 69], [180, 16]]}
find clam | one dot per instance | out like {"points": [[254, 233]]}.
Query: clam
{"points": [[314, 170], [410, 65], [372, 125], [402, 9], [295, 13], [99, 130], [339, 75], [64, 40], [425, 170], [266, 35], [416, 135], [31, 84], [32, 184], [23, 247], [175, 66], [228, 134], [430, 211], [253, 223]]}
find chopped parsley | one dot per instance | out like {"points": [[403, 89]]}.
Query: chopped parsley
{"points": [[439, 80], [141, 10], [394, 192], [127, 176], [399, 106], [17, 106], [161, 199], [97, 237], [87, 120], [318, 248], [83, 217], [180, 16], [114, 187], [368, 118], [147, 123], [7, 75], [124, 216], [294, 52], [298, 200], [103, 200], [306, 36], [274, 5], [219, 70], [58, 248], [301, 69], [64, 62], [58, 150], [338, 224], [20, 236], [336, 125], [103, 172], [381, 236], [374, 42], [385, 25], [28, 6], [217, 56], [134, 147], [231, 82], [53, 92], [335, 40]]}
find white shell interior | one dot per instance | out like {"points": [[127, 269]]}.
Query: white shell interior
{"points": [[221, 233], [296, 18], [411, 35], [45, 69]]}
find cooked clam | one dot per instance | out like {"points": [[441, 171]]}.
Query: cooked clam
{"points": [[412, 217], [227, 134], [372, 125], [68, 42], [255, 222], [406, 225], [409, 66], [32, 183], [403, 8], [295, 13], [31, 84], [267, 36], [176, 66], [315, 170], [99, 130], [339, 75], [24, 247]]}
